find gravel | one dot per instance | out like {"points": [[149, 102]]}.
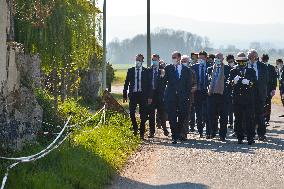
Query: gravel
{"points": [[200, 163]]}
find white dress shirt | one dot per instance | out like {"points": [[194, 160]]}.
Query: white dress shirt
{"points": [[179, 68], [254, 66], [138, 79]]}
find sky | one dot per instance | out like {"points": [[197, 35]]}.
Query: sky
{"points": [[229, 11], [122, 16]]}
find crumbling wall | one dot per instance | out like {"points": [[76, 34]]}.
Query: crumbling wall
{"points": [[20, 114]]}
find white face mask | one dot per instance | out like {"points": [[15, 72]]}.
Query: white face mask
{"points": [[185, 64], [175, 61], [138, 64], [201, 61], [217, 61], [231, 64]]}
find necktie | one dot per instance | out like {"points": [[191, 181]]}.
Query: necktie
{"points": [[155, 78], [138, 77], [177, 74]]}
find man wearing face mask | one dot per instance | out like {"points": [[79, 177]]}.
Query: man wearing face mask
{"points": [[218, 92], [231, 62], [271, 87], [280, 76], [261, 92], [243, 79], [200, 96], [136, 83], [194, 58], [177, 95], [156, 96], [185, 62], [210, 59]]}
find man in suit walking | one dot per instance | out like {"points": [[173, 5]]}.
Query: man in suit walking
{"points": [[136, 83], [271, 87], [218, 92], [200, 96], [156, 96], [260, 90], [177, 94], [280, 76], [243, 79]]}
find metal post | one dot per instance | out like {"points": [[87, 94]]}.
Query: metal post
{"points": [[104, 47], [148, 33]]}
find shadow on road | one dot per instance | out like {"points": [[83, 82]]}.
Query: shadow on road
{"points": [[126, 183]]}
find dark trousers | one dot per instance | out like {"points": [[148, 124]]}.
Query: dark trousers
{"points": [[259, 117], [217, 108], [134, 100], [267, 108], [192, 117], [157, 104], [177, 112], [244, 114], [200, 104], [230, 110]]}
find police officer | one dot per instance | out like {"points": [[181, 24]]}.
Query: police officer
{"points": [[243, 81]]}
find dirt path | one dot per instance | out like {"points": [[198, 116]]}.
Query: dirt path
{"points": [[200, 163]]}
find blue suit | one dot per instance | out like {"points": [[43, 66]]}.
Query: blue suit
{"points": [[177, 95], [200, 98]]}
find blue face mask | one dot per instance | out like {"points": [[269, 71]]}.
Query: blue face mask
{"points": [[217, 61], [155, 63]]}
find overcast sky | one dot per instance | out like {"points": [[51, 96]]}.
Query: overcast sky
{"points": [[232, 11], [122, 16]]}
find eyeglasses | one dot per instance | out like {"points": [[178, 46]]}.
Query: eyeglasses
{"points": [[174, 57]]}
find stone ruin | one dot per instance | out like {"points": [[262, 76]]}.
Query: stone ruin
{"points": [[20, 113]]}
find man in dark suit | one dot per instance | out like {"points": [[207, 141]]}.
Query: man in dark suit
{"points": [[178, 81], [218, 92], [271, 87], [261, 92], [136, 83], [280, 76], [243, 79], [156, 96], [200, 96]]}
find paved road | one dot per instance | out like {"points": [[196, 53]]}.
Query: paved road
{"points": [[200, 163]]}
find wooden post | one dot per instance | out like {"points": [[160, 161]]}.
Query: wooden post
{"points": [[148, 33]]}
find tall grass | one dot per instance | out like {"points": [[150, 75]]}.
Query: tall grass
{"points": [[88, 160]]}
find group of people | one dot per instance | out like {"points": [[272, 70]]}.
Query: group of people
{"points": [[204, 92]]}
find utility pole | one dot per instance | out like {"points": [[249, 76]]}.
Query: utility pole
{"points": [[104, 47], [148, 33]]}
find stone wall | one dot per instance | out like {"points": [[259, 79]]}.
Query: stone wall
{"points": [[20, 114]]}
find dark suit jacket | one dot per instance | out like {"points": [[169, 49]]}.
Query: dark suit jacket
{"points": [[195, 67], [177, 88], [130, 82], [161, 85], [227, 86], [243, 94], [272, 79], [262, 82]]}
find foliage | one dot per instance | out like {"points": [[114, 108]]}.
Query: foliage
{"points": [[88, 160]]}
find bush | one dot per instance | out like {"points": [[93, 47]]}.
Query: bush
{"points": [[89, 159]]}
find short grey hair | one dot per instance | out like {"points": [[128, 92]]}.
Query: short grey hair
{"points": [[253, 51]]}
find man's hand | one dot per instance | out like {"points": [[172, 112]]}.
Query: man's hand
{"points": [[273, 93], [150, 100], [236, 79], [245, 81]]}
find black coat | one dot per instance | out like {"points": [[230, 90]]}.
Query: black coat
{"points": [[272, 79], [177, 88], [130, 82], [262, 82], [243, 94], [161, 85]]}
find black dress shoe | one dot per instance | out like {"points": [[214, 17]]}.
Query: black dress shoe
{"points": [[240, 141], [192, 130], [174, 142], [250, 142], [262, 138], [208, 137], [183, 139], [231, 127], [223, 139], [213, 136], [166, 132], [201, 136], [151, 136]]}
